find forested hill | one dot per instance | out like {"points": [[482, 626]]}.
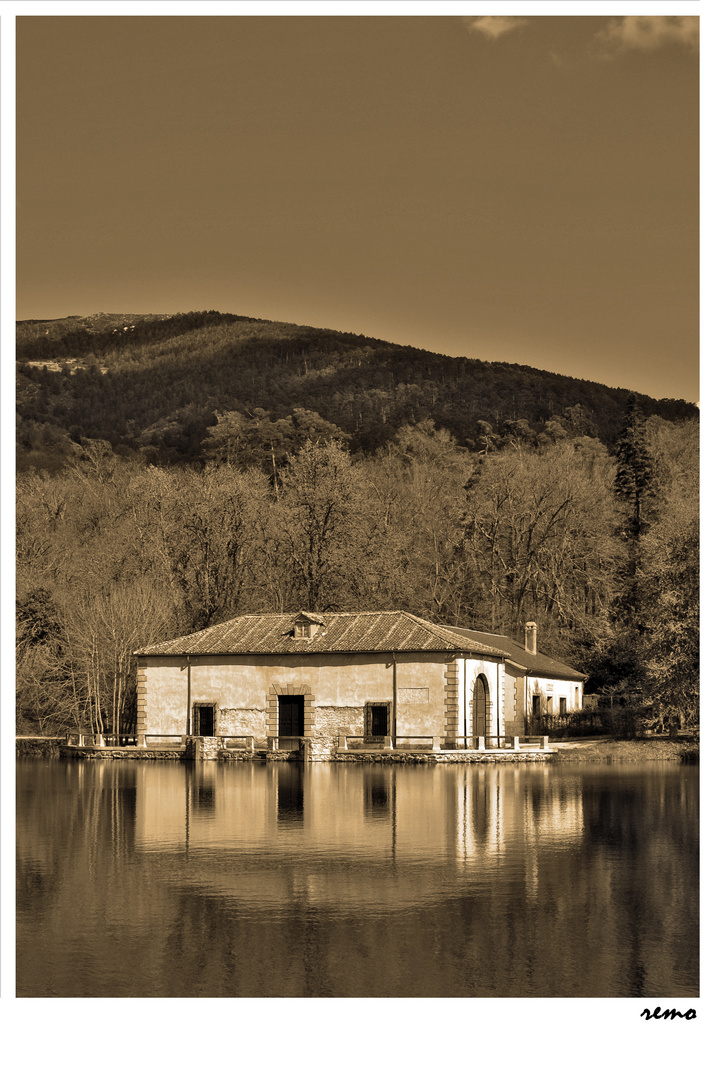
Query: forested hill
{"points": [[185, 388]]}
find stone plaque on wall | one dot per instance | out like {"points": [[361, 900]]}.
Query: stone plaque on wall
{"points": [[413, 695]]}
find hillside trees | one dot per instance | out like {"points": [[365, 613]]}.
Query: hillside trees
{"points": [[244, 440], [669, 584], [205, 531], [538, 540], [634, 476], [113, 554], [324, 526], [154, 385], [417, 481], [669, 576], [80, 565]]}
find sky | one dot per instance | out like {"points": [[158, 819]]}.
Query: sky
{"points": [[520, 189]]}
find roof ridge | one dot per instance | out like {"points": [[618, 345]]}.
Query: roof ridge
{"points": [[448, 637], [360, 631], [472, 630]]}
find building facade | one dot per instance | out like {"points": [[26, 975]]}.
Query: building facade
{"points": [[373, 676], [535, 684]]}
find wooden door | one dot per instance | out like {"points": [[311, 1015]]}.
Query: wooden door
{"points": [[291, 716], [479, 707]]}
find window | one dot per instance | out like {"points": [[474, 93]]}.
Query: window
{"points": [[536, 704], [203, 717], [307, 625], [378, 718], [563, 706]]}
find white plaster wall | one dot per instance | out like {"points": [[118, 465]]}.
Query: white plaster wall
{"points": [[166, 694], [470, 670], [555, 689]]}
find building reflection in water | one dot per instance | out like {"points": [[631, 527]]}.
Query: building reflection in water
{"points": [[290, 793], [475, 818], [500, 881], [376, 793], [203, 788]]}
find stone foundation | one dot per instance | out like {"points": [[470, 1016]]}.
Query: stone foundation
{"points": [[236, 755], [320, 749], [121, 753], [445, 757], [317, 748], [203, 747]]}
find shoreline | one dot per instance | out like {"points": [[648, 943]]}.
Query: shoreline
{"points": [[607, 748], [595, 748]]}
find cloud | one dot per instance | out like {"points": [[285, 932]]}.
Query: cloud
{"points": [[648, 33], [495, 26]]}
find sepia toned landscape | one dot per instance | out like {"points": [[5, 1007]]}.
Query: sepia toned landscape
{"points": [[357, 507]]}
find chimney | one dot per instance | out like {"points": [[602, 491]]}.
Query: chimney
{"points": [[531, 638]]}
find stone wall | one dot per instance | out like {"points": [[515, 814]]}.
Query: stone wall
{"points": [[399, 757], [450, 701], [122, 754], [338, 720], [319, 749], [203, 747], [235, 755], [243, 722]]}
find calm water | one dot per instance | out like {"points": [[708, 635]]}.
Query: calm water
{"points": [[232, 880]]}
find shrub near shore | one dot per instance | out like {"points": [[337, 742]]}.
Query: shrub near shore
{"points": [[602, 748]]}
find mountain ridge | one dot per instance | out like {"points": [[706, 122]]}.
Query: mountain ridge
{"points": [[117, 376]]}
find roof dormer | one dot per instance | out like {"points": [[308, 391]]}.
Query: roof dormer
{"points": [[306, 625]]}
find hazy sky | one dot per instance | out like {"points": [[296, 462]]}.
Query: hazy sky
{"points": [[519, 190]]}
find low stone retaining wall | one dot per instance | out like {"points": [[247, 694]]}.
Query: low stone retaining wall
{"points": [[445, 757], [317, 749], [124, 753]]}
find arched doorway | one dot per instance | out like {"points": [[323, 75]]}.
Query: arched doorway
{"points": [[481, 706]]}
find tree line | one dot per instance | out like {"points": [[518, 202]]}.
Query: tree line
{"points": [[600, 549]]}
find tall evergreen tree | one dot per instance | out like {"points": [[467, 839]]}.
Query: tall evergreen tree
{"points": [[634, 478]]}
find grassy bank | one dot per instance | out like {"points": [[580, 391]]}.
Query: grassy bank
{"points": [[604, 748]]}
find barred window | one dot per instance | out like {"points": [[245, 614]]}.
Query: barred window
{"points": [[378, 718]]}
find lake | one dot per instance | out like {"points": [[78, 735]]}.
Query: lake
{"points": [[158, 879]]}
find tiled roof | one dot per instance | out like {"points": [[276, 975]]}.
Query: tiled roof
{"points": [[357, 632], [534, 663]]}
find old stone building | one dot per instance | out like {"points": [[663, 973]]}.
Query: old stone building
{"points": [[381, 677]]}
